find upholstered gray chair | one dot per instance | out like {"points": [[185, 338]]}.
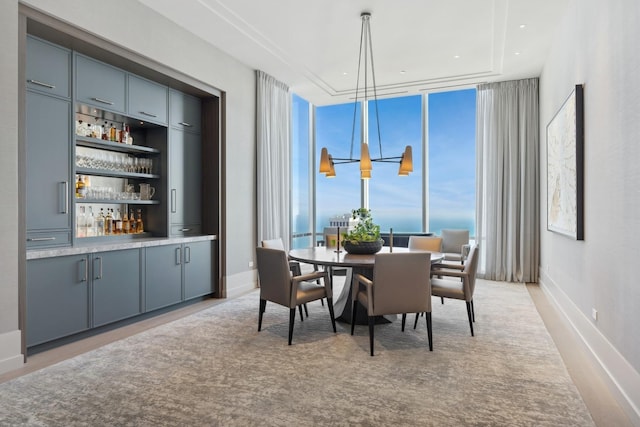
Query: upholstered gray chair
{"points": [[400, 285], [455, 244], [457, 282], [425, 243], [278, 285], [294, 266]]}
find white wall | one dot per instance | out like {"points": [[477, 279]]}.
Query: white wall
{"points": [[9, 335], [147, 33], [597, 45]]}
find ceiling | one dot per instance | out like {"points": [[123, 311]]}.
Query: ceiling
{"points": [[418, 45]]}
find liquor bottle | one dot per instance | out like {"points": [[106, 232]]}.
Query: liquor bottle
{"points": [[125, 223], [108, 223], [100, 223], [81, 223], [105, 131], [132, 223], [81, 189], [117, 223], [112, 133], [139, 224], [91, 223]]}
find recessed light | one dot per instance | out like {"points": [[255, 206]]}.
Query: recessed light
{"points": [[345, 73], [523, 26], [517, 53], [403, 72], [456, 56]]}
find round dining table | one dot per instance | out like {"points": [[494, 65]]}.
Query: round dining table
{"points": [[330, 257]]}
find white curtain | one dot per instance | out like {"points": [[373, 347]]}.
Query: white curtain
{"points": [[508, 189], [273, 112]]}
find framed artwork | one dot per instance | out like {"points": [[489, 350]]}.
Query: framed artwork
{"points": [[565, 167]]}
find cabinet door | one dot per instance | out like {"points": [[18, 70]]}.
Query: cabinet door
{"points": [[116, 285], [185, 178], [163, 272], [99, 84], [57, 298], [147, 100], [48, 68], [48, 149], [185, 111], [198, 261]]}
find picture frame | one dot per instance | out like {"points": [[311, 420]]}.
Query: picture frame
{"points": [[565, 167]]}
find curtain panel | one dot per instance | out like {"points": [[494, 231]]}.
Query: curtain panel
{"points": [[508, 176], [273, 111]]}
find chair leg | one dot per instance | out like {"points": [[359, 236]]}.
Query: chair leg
{"points": [[292, 318], [441, 300], [415, 324], [354, 310], [263, 304], [473, 312], [322, 301], [470, 316], [305, 310], [371, 323], [429, 330], [301, 317], [333, 318], [404, 319]]}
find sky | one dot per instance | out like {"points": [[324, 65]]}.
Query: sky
{"points": [[396, 202]]}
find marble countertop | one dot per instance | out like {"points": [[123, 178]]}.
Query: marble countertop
{"points": [[93, 247]]}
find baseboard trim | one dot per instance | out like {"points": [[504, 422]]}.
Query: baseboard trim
{"points": [[10, 356], [623, 376], [241, 283]]}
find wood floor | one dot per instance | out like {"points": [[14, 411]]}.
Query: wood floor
{"points": [[594, 385]]}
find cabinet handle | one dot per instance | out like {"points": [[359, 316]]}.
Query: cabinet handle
{"points": [[178, 256], [187, 254], [189, 125], [39, 83], [173, 200], [40, 239], [65, 197], [102, 101], [99, 276], [85, 272], [185, 229], [147, 114]]}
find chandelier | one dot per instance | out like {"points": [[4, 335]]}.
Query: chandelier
{"points": [[327, 161]]}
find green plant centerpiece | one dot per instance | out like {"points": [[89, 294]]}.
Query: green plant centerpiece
{"points": [[364, 238]]}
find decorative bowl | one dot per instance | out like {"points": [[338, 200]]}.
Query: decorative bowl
{"points": [[360, 247]]}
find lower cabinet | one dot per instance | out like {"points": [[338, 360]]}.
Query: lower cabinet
{"points": [[74, 293], [57, 298], [177, 272], [116, 286], [70, 294]]}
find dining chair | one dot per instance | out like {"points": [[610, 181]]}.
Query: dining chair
{"points": [[425, 243], [455, 244], [456, 282], [279, 286], [294, 266], [400, 285]]}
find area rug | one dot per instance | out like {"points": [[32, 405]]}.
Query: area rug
{"points": [[213, 368]]}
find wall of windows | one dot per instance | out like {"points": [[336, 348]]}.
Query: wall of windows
{"points": [[440, 193], [301, 164], [396, 201], [339, 195]]}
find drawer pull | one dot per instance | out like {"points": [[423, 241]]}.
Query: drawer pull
{"points": [[147, 114], [185, 124], [40, 239], [102, 101], [185, 229], [39, 83]]}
